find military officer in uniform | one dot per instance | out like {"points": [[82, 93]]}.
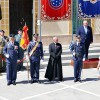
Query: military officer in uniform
{"points": [[11, 52], [35, 51], [18, 39], [78, 51], [3, 41]]}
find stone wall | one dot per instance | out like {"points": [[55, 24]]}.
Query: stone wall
{"points": [[4, 22], [66, 39]]}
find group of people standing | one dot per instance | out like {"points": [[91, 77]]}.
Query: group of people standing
{"points": [[79, 48]]}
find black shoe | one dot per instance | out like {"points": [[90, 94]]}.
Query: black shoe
{"points": [[60, 81], [75, 80], [50, 80], [38, 81], [79, 80], [14, 83], [9, 83], [32, 82]]}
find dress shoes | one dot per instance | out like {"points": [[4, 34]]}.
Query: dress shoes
{"points": [[50, 80], [38, 81], [9, 83], [75, 80], [32, 82], [14, 83], [79, 80]]}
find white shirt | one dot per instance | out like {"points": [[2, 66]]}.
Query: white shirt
{"points": [[85, 28]]}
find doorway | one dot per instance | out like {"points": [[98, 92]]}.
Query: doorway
{"points": [[20, 12]]}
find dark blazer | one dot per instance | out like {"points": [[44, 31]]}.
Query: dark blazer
{"points": [[88, 38]]}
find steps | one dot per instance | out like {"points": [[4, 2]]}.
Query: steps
{"points": [[94, 52]]}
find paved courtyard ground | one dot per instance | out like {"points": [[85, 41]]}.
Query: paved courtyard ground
{"points": [[89, 89]]}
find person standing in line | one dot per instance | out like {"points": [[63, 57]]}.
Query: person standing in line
{"points": [[35, 52], [78, 50], [11, 52], [3, 41], [18, 39], [54, 67], [86, 35]]}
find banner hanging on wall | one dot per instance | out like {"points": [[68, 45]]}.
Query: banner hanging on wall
{"points": [[53, 10], [89, 8]]}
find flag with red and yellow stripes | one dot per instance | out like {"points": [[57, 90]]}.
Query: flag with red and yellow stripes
{"points": [[25, 39]]}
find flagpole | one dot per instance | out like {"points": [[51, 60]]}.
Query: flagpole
{"points": [[72, 19], [39, 18], [33, 11], [76, 15]]}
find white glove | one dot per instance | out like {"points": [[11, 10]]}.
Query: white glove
{"points": [[18, 61], [99, 57], [7, 55], [27, 58], [73, 53], [83, 59], [41, 61]]}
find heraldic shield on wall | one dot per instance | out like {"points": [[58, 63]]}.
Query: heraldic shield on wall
{"points": [[52, 10], [88, 8]]}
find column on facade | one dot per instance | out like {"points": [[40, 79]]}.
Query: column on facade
{"points": [[4, 22]]}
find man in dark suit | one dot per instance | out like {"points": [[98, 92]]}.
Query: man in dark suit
{"points": [[54, 67], [35, 51], [11, 52], [85, 33]]}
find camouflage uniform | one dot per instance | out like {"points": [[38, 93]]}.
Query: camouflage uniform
{"points": [[3, 41]]}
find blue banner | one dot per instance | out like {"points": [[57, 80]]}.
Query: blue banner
{"points": [[88, 8]]}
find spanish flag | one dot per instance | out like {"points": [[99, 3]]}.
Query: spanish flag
{"points": [[25, 39]]}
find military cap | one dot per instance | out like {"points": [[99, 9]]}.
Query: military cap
{"points": [[2, 31], [12, 35], [35, 35]]}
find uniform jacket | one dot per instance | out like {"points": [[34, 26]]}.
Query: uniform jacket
{"points": [[13, 54], [38, 53], [79, 50]]}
